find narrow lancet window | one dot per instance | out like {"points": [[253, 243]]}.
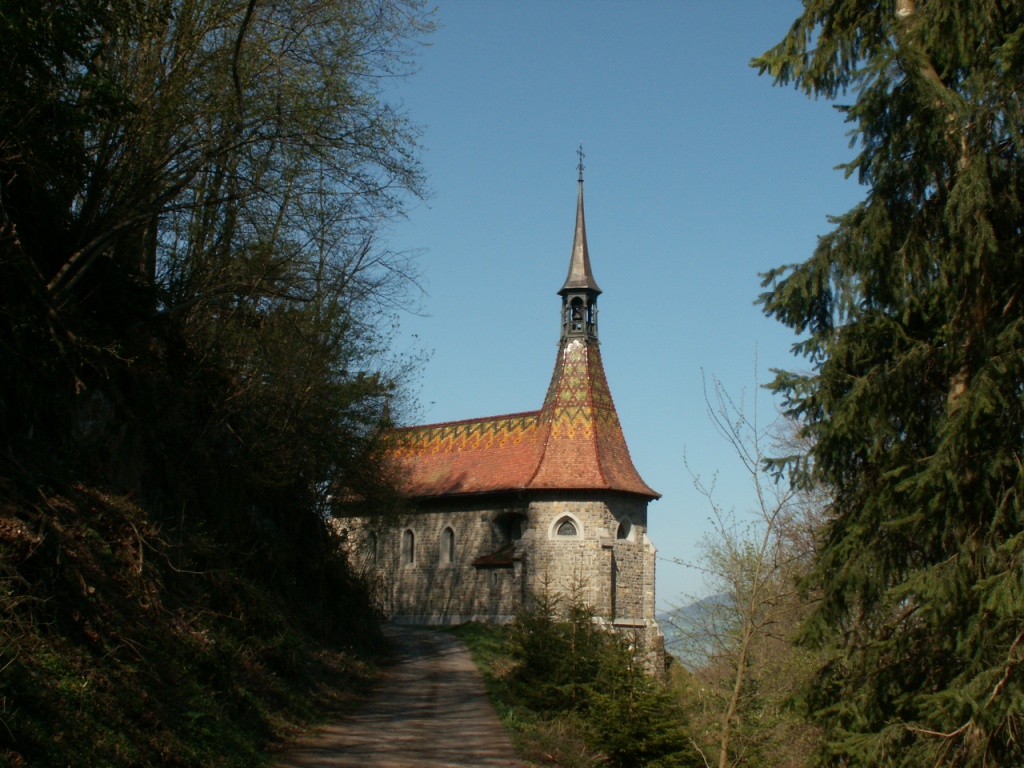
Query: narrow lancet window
{"points": [[447, 546], [408, 547], [625, 526]]}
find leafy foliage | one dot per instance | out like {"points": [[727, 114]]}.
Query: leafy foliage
{"points": [[201, 184], [910, 313], [194, 321]]}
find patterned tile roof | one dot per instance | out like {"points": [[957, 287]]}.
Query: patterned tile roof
{"points": [[574, 442], [462, 457]]}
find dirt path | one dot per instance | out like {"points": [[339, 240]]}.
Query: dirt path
{"points": [[430, 712]]}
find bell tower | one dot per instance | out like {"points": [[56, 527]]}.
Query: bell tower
{"points": [[579, 293]]}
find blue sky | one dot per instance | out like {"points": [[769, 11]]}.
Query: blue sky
{"points": [[699, 175]]}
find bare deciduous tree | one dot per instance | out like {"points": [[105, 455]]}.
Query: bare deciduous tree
{"points": [[739, 643]]}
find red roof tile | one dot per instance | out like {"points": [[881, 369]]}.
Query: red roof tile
{"points": [[574, 442], [461, 457]]}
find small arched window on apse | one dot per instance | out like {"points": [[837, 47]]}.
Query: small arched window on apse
{"points": [[625, 529], [371, 546], [408, 547], [566, 527], [447, 545]]}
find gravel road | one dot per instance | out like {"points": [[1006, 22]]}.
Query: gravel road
{"points": [[430, 712]]}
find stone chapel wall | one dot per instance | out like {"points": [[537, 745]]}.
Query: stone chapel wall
{"points": [[593, 561], [437, 583], [609, 560]]}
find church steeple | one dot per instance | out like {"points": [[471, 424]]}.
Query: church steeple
{"points": [[584, 446], [573, 443], [579, 292]]}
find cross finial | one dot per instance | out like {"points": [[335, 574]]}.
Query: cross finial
{"points": [[580, 155]]}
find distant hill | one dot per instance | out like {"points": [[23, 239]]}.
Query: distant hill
{"points": [[686, 628]]}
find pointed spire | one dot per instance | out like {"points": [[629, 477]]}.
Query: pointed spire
{"points": [[580, 274]]}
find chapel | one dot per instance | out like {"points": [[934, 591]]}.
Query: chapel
{"points": [[500, 508]]}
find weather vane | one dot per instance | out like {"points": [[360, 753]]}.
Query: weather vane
{"points": [[580, 155]]}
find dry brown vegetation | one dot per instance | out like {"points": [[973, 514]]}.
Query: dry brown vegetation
{"points": [[127, 638]]}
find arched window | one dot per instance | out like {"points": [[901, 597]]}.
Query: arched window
{"points": [[408, 547], [567, 526], [577, 314], [447, 546], [371, 546], [625, 527]]}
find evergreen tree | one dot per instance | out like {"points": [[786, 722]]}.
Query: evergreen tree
{"points": [[569, 666], [911, 314], [559, 650], [635, 719]]}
